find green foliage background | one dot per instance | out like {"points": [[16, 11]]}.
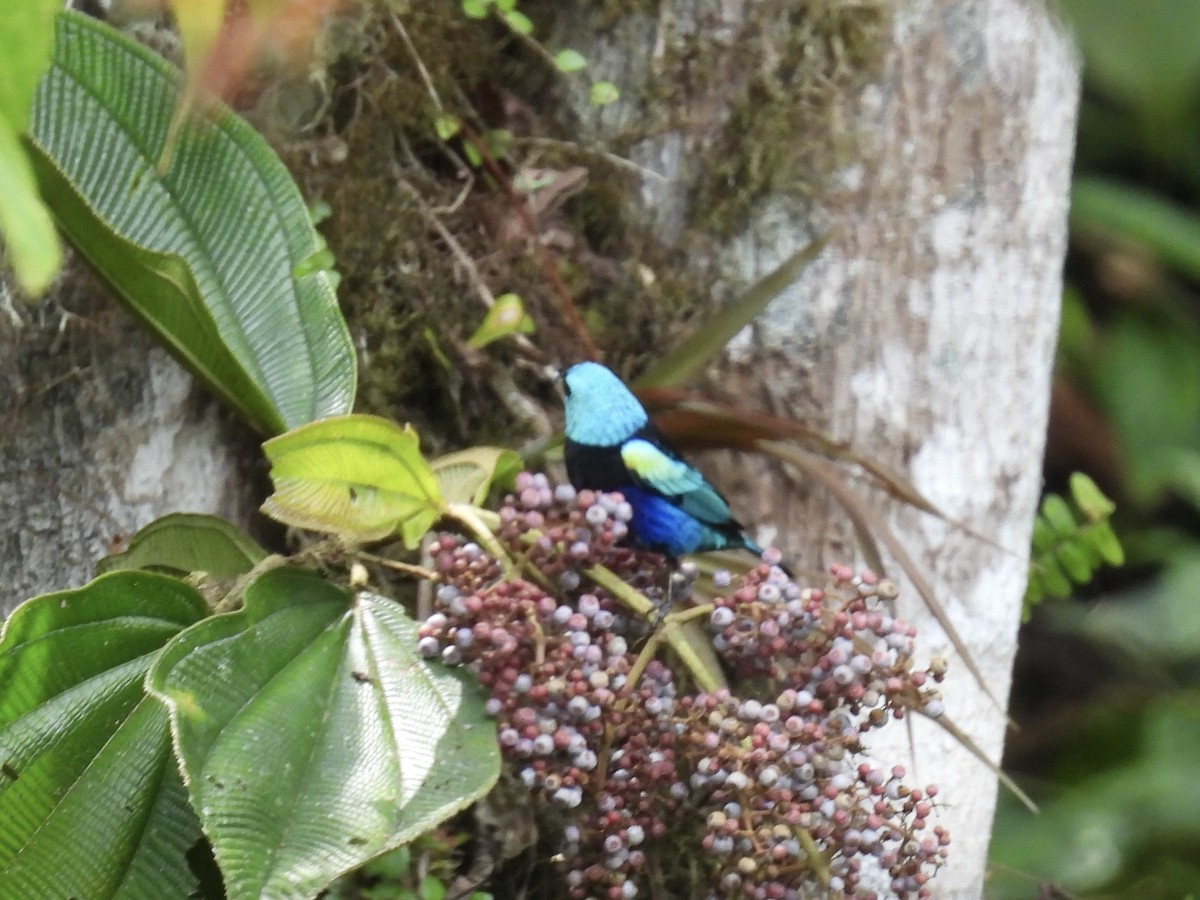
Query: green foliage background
{"points": [[1107, 689]]}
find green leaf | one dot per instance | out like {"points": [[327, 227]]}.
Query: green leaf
{"points": [[314, 736], [1074, 562], [570, 60], [28, 29], [319, 211], [1102, 539], [527, 181], [432, 888], [507, 316], [1052, 578], [25, 223], [321, 260], [603, 93], [468, 475], [1057, 513], [518, 21], [1033, 596], [205, 254], [1044, 537], [447, 126], [199, 24], [1089, 498], [188, 542], [435, 348], [362, 477], [1083, 544], [91, 802], [475, 9], [498, 141]]}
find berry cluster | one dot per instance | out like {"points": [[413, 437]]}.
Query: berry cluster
{"points": [[837, 646], [776, 795], [784, 790]]}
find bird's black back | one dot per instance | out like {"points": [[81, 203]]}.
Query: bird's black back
{"points": [[603, 469], [597, 468]]}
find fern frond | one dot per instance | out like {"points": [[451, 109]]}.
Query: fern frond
{"points": [[1071, 540]]}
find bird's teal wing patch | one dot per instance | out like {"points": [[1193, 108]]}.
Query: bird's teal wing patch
{"points": [[664, 473], [675, 480]]}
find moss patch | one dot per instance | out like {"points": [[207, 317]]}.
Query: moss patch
{"points": [[408, 209], [785, 132]]}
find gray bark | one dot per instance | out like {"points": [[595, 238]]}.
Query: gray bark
{"points": [[103, 433], [923, 337]]}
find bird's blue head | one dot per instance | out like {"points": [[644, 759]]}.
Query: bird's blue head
{"points": [[601, 411]]}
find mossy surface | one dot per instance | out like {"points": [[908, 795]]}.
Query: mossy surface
{"points": [[407, 209], [786, 130]]}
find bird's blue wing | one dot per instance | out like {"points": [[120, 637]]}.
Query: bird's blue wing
{"points": [[661, 471]]}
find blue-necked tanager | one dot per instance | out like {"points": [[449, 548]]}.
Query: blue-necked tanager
{"points": [[611, 445]]}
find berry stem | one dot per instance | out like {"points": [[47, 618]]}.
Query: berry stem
{"points": [[472, 518], [816, 859], [679, 629], [635, 600], [684, 632], [397, 566]]}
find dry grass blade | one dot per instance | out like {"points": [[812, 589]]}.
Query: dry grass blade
{"points": [[863, 517], [695, 424], [959, 735], [707, 342], [705, 425]]}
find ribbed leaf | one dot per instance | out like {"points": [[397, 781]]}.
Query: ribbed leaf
{"points": [[315, 737], [188, 542], [362, 477], [91, 802], [466, 476], [206, 253]]}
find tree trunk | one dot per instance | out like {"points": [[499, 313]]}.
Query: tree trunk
{"points": [[923, 336], [103, 433]]}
